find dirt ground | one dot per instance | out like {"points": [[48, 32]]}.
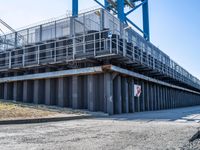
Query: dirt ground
{"points": [[159, 130], [12, 110]]}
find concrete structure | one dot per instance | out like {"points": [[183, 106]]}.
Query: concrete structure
{"points": [[92, 62]]}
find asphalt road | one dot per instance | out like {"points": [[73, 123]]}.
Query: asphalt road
{"points": [[168, 129]]}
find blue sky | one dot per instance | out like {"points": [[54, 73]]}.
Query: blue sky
{"points": [[174, 24]]}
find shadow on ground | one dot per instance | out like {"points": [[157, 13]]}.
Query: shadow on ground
{"points": [[181, 115]]}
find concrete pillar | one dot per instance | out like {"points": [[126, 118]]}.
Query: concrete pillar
{"points": [[27, 91], [161, 97], [158, 99], [6, 95], [155, 98], [39, 91], [8, 91], [117, 95], [50, 92], [108, 94], [101, 91], [167, 99], [75, 92], [1, 90], [164, 96], [142, 106], [131, 97], [91, 92], [152, 97], [62, 92], [17, 91], [125, 106], [147, 96]]}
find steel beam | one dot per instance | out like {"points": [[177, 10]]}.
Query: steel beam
{"points": [[74, 8], [120, 10], [145, 10]]}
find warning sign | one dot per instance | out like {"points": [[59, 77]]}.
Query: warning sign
{"points": [[137, 90]]}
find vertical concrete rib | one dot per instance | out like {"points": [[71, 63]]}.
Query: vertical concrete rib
{"points": [[17, 91], [75, 92], [62, 92], [164, 93], [50, 92], [6, 95], [117, 91], [27, 91], [147, 96], [125, 106], [108, 94], [143, 97], [91, 93], [155, 97], [152, 96], [131, 97], [1, 90], [158, 93], [39, 90]]}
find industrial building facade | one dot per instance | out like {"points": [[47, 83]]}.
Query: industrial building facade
{"points": [[92, 62]]}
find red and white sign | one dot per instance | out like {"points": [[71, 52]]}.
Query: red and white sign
{"points": [[137, 90]]}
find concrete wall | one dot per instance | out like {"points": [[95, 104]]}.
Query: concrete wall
{"points": [[108, 92]]}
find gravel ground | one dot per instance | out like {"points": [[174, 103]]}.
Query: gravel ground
{"points": [[168, 129], [195, 145]]}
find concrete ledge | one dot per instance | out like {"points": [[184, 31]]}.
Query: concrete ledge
{"points": [[43, 120]]}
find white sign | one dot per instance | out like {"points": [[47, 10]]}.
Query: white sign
{"points": [[110, 34], [137, 90]]}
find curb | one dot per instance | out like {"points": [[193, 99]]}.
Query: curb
{"points": [[43, 120]]}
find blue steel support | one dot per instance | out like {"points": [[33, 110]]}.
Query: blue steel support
{"points": [[74, 8], [145, 10], [120, 10], [106, 4]]}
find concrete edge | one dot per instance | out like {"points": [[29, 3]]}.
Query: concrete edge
{"points": [[44, 120]]}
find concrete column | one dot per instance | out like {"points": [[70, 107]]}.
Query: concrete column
{"points": [[131, 97], [155, 97], [173, 93], [142, 107], [6, 95], [101, 91], [152, 97], [62, 91], [158, 100], [50, 92], [164, 95], [91, 93], [161, 97], [75, 92], [27, 91], [17, 91], [108, 94], [125, 106], [147, 96], [1, 90], [39, 91], [117, 95]]}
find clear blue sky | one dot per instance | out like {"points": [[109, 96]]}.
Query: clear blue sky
{"points": [[174, 24]]}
